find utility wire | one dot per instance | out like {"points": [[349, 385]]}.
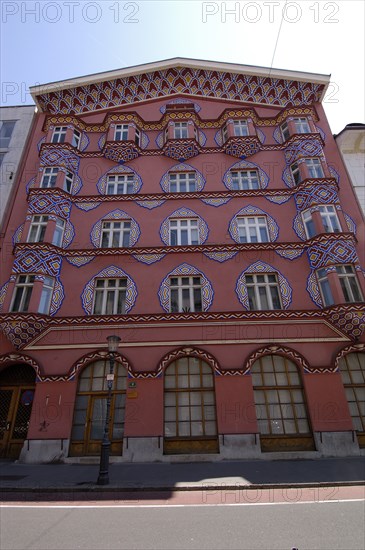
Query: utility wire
{"points": [[277, 39]]}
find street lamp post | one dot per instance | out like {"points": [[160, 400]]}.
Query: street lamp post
{"points": [[103, 478]]}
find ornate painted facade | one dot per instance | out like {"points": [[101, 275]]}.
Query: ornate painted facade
{"points": [[192, 209]]}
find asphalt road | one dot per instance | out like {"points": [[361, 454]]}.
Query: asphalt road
{"points": [[331, 525]]}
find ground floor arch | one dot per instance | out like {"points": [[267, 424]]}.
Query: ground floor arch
{"points": [[352, 369], [17, 387], [90, 409], [280, 405], [190, 423]]}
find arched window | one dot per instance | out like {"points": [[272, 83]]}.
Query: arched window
{"points": [[90, 410], [189, 407], [280, 405], [352, 368]]}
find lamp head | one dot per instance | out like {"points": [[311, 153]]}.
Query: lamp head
{"points": [[113, 342]]}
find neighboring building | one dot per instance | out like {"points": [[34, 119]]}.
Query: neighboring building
{"points": [[201, 212], [15, 123], [351, 143]]}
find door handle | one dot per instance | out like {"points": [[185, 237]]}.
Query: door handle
{"points": [[7, 426]]}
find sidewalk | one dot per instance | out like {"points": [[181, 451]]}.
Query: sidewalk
{"points": [[61, 478]]}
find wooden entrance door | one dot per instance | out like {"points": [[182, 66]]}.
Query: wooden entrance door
{"points": [[15, 410]]}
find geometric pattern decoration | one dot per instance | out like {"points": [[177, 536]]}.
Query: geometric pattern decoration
{"points": [[76, 183], [278, 199], [348, 320], [68, 235], [40, 142], [250, 210], [182, 167], [350, 223], [182, 213], [148, 258], [58, 296], [54, 156], [242, 147], [261, 267], [79, 261], [18, 234], [186, 270], [101, 141], [303, 147], [298, 227], [215, 202], [187, 352], [95, 235], [180, 101], [244, 165], [87, 295], [276, 350], [314, 193], [149, 204], [11, 358], [218, 138], [260, 135], [313, 289], [103, 181], [3, 291], [331, 252], [289, 254], [84, 142], [96, 356], [30, 184], [37, 261], [87, 206], [334, 174], [201, 82], [357, 348], [220, 256], [121, 151], [50, 203], [181, 149]]}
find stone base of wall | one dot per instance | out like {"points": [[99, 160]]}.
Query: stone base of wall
{"points": [[44, 451], [337, 444], [239, 446]]}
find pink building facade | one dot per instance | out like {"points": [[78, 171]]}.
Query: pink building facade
{"points": [[201, 212]]}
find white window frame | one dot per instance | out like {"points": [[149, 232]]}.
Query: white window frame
{"points": [[349, 283], [329, 218], [240, 128], [137, 137], [58, 232], [184, 295], [112, 290], [295, 172], [59, 134], [121, 132], [243, 180], [224, 133], [120, 184], [37, 229], [258, 281], [76, 139], [181, 130], [314, 167], [22, 293], [46, 295], [181, 180], [284, 129], [249, 229], [115, 233], [302, 125], [308, 223], [184, 231], [49, 177], [68, 181], [324, 287]]}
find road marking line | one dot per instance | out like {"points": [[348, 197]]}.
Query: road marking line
{"points": [[75, 506]]}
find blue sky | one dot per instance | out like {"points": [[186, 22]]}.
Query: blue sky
{"points": [[46, 41]]}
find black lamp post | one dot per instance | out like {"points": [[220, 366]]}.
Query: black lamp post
{"points": [[103, 478]]}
